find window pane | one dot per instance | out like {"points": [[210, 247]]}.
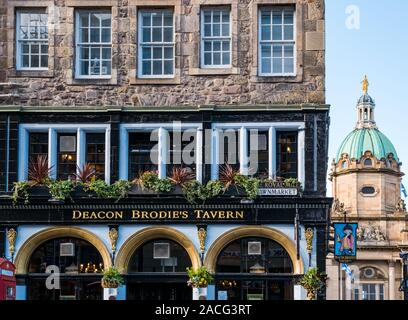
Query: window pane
{"points": [[35, 48], [146, 35], [266, 65], [34, 33], [44, 61], [266, 33], [43, 33], [226, 58], [266, 18], [84, 64], [66, 161], [207, 58], [95, 53], [277, 17], [216, 58], [84, 35], [157, 35], [225, 29], [207, 30], [35, 60], [216, 17], [106, 35], [157, 53], [23, 32], [95, 152], [288, 17], [168, 35], [26, 61], [142, 154], [216, 30], [168, 53], [288, 32], [277, 51], [168, 67], [286, 149], [84, 53], [95, 35], [95, 20], [216, 46], [106, 53], [106, 68], [225, 46], [168, 20], [157, 67], [276, 33], [146, 53], [225, 17], [207, 17], [289, 51], [266, 51], [106, 19], [277, 65], [157, 20], [25, 48], [38, 145], [146, 67], [146, 20], [289, 68], [84, 19]]}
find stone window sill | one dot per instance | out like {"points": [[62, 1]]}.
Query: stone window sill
{"points": [[147, 81], [32, 74], [214, 71], [91, 81], [266, 79]]}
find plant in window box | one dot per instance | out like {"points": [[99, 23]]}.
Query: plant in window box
{"points": [[235, 181], [117, 190], [21, 191], [199, 279], [60, 190], [111, 278], [179, 177], [150, 181], [83, 177], [313, 281], [195, 192]]}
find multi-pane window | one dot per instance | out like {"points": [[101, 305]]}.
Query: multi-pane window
{"points": [[38, 145], [95, 152], [143, 153], [156, 44], [93, 44], [215, 38], [230, 141], [276, 41], [32, 40], [286, 154], [67, 155]]}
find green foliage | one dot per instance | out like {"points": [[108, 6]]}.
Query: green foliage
{"points": [[194, 191], [291, 183], [60, 189], [117, 191], [250, 185], [150, 180], [199, 278], [20, 191], [313, 281], [112, 278]]}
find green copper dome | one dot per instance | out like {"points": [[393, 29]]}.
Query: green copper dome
{"points": [[366, 139]]}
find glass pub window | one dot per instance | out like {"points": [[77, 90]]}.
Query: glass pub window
{"points": [[38, 145], [94, 44], [258, 146], [276, 41], [179, 151], [67, 156], [215, 38], [143, 152], [287, 157], [156, 44], [95, 152], [32, 40], [231, 149]]}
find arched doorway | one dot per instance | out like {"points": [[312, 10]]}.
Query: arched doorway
{"points": [[43, 249], [155, 261], [80, 266], [254, 263]]}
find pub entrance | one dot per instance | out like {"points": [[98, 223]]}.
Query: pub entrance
{"points": [[157, 271]]}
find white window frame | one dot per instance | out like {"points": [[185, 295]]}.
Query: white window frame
{"points": [[78, 45], [53, 131], [376, 285], [274, 42], [141, 44], [19, 41], [125, 129], [272, 128], [215, 38]]}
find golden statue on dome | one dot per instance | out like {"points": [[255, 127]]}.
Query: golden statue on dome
{"points": [[365, 84]]}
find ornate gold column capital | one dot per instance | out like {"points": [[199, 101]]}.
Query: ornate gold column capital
{"points": [[202, 235], [113, 237]]}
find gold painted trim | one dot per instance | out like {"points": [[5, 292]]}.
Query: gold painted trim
{"points": [[222, 241], [32, 243], [139, 238]]}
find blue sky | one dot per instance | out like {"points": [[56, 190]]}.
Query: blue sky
{"points": [[379, 48]]}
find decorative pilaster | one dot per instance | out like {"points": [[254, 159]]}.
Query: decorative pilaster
{"points": [[391, 280], [113, 237], [202, 236], [309, 234], [12, 237]]}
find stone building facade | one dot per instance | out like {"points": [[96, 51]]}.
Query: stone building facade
{"points": [[366, 178], [266, 73]]}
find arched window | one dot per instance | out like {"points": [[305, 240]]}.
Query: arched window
{"points": [[254, 255], [159, 255], [344, 165], [368, 162], [70, 255], [368, 190]]}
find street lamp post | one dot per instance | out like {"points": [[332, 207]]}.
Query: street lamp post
{"points": [[404, 285]]}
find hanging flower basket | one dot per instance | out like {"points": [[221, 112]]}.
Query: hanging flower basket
{"points": [[111, 278]]}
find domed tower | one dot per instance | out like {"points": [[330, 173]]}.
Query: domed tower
{"points": [[366, 181]]}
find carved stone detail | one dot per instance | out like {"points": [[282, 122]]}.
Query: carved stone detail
{"points": [[370, 233], [11, 237], [113, 237], [309, 234], [202, 235]]}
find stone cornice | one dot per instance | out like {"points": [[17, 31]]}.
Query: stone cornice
{"points": [[216, 108]]}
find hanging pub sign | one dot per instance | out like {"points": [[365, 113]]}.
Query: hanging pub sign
{"points": [[345, 241]]}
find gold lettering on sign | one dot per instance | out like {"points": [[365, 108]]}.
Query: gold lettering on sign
{"points": [[219, 214], [97, 215]]}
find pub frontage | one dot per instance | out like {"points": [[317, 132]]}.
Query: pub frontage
{"points": [[153, 136]]}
